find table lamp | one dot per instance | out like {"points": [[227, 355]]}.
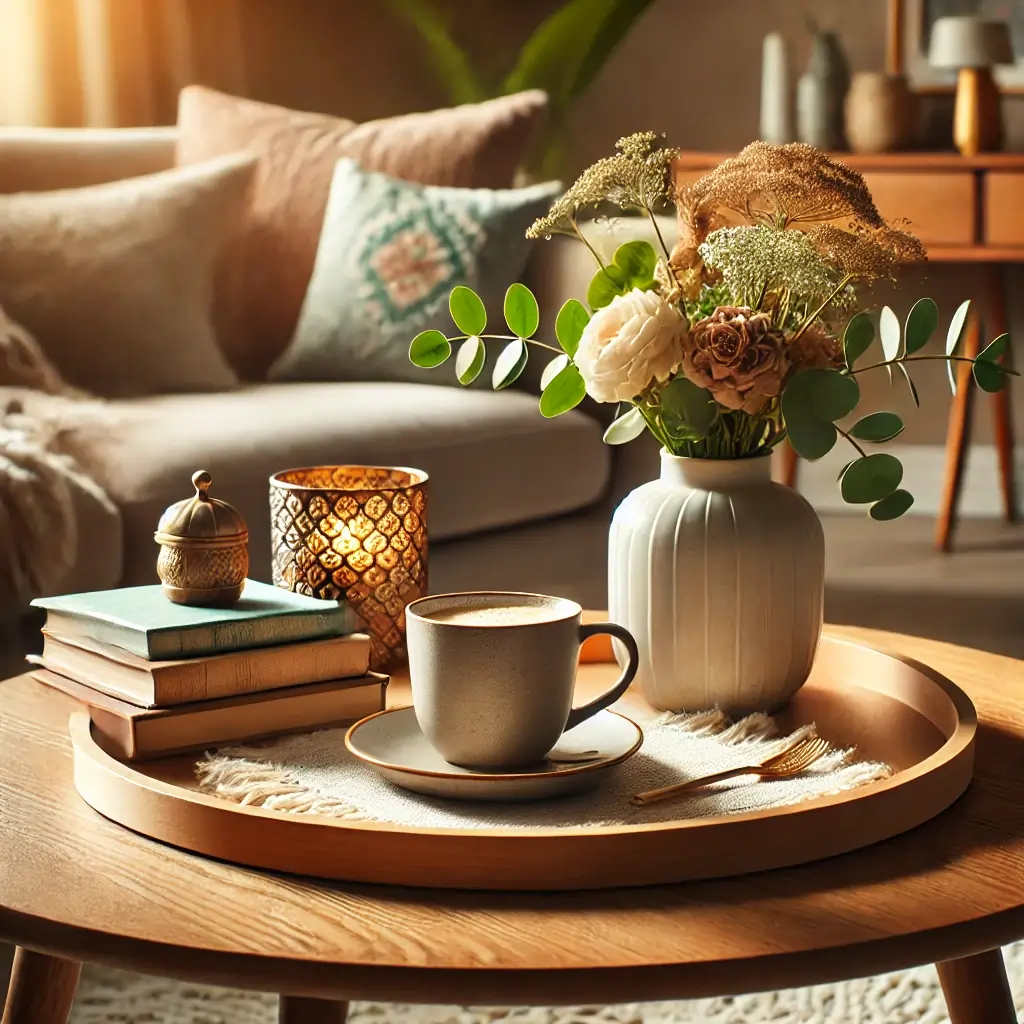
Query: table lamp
{"points": [[973, 46]]}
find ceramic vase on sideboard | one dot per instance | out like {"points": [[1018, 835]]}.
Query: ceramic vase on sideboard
{"points": [[719, 574]]}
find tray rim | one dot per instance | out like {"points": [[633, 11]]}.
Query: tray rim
{"points": [[956, 746]]}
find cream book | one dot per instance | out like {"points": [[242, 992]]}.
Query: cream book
{"points": [[127, 676], [133, 733]]}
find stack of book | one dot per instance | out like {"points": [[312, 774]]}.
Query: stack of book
{"points": [[162, 678]]}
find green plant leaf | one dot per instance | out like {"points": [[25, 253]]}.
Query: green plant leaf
{"points": [[521, 311], [953, 337], [628, 426], [448, 61], [509, 365], [570, 46], [889, 333], [995, 349], [565, 392], [871, 478], [811, 438], [553, 368], [569, 324], [467, 309], [857, 337], [637, 260], [989, 376], [877, 427], [693, 405], [921, 323], [910, 384], [892, 506], [605, 285], [820, 394], [470, 360], [429, 349]]}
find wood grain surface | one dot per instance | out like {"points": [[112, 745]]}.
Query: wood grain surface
{"points": [[916, 721], [81, 887]]}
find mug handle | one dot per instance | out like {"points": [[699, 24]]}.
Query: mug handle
{"points": [[581, 714]]}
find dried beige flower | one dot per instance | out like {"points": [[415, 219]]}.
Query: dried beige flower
{"points": [[738, 356], [815, 348]]}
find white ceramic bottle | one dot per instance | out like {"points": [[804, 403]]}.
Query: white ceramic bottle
{"points": [[719, 575], [776, 104]]}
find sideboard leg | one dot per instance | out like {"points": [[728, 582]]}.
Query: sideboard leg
{"points": [[958, 438], [788, 461], [296, 1010], [976, 989], [42, 989], [1001, 399]]}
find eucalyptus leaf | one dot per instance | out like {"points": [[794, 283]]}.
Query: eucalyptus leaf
{"points": [[892, 506], [910, 384], [820, 394], [605, 285], [889, 333], [871, 478], [627, 427], [990, 376], [467, 309], [470, 360], [953, 336], [509, 365], [877, 427], [565, 392], [921, 323], [995, 349], [553, 368], [521, 311], [857, 337], [429, 349], [811, 438], [690, 403], [569, 325], [637, 260]]}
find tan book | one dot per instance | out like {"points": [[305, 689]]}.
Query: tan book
{"points": [[133, 733], [150, 684]]}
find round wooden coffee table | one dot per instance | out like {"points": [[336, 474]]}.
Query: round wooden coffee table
{"points": [[74, 887]]}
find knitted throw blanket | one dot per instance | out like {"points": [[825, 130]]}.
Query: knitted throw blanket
{"points": [[39, 479]]}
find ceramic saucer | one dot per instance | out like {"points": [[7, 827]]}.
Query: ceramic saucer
{"points": [[391, 742]]}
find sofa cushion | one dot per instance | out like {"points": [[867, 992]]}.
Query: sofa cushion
{"points": [[116, 280], [493, 460], [390, 253], [266, 274]]}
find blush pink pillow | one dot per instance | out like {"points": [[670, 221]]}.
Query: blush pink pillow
{"points": [[268, 265]]}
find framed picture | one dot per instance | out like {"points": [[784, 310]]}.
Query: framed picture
{"points": [[910, 25]]}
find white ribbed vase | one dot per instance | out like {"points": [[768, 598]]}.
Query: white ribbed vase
{"points": [[719, 574]]}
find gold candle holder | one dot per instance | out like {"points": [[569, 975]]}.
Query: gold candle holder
{"points": [[357, 533]]}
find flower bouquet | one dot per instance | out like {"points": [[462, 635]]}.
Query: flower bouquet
{"points": [[749, 331]]}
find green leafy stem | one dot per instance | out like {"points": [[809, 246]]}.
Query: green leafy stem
{"points": [[815, 399]]}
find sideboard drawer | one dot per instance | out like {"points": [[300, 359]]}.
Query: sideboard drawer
{"points": [[1004, 208], [940, 207]]}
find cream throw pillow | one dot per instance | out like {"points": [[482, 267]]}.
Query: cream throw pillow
{"points": [[116, 281]]}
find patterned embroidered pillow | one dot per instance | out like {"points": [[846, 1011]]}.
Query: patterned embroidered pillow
{"points": [[389, 254]]}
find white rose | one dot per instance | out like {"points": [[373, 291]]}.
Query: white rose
{"points": [[635, 339]]}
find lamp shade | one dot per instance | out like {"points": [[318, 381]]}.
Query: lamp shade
{"points": [[969, 42]]}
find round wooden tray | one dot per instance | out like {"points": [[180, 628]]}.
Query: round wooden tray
{"points": [[892, 709]]}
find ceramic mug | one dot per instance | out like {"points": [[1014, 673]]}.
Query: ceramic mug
{"points": [[493, 674]]}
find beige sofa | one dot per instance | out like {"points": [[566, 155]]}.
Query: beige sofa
{"points": [[517, 501]]}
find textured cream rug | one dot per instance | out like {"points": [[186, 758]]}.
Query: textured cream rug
{"points": [[906, 997]]}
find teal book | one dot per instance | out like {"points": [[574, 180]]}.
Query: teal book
{"points": [[142, 620]]}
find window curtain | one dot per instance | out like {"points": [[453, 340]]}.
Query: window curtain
{"points": [[111, 63]]}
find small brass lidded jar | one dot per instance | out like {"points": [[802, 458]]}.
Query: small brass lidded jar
{"points": [[204, 549]]}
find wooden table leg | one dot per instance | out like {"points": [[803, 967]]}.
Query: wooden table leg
{"points": [[296, 1010], [976, 990], [958, 438], [42, 989], [996, 289]]}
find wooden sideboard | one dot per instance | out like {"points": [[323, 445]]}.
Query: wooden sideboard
{"points": [[965, 210]]}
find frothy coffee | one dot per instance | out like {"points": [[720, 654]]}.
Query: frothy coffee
{"points": [[495, 614]]}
